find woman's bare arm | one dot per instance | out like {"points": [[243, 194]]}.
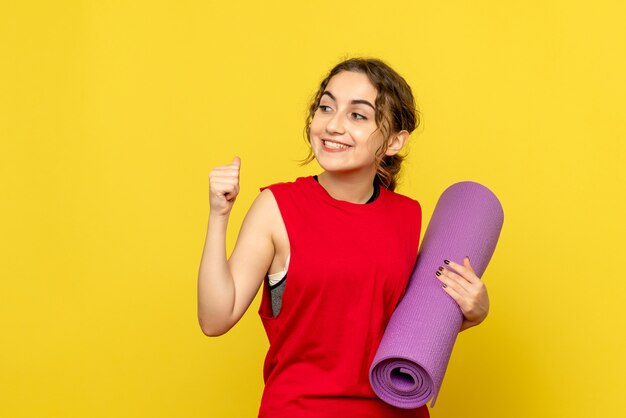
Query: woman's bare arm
{"points": [[227, 287]]}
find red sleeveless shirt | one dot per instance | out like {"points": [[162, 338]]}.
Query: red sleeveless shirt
{"points": [[350, 264]]}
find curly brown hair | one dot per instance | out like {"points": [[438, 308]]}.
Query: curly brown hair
{"points": [[395, 111]]}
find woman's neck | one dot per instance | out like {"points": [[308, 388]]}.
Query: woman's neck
{"points": [[349, 188]]}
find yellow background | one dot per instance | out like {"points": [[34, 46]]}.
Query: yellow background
{"points": [[112, 114]]}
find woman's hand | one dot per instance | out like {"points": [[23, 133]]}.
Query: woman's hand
{"points": [[224, 187], [467, 289]]}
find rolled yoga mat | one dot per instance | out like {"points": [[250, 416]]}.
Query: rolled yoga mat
{"points": [[410, 363]]}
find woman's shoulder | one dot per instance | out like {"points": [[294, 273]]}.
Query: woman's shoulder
{"points": [[298, 182], [297, 190], [275, 198], [402, 200], [407, 212]]}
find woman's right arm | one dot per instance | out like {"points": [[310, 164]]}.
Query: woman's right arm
{"points": [[226, 287]]}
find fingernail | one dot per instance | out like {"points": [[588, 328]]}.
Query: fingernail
{"points": [[440, 268], [446, 261], [467, 257], [438, 273], [444, 285]]}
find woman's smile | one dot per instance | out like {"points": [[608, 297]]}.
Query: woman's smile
{"points": [[330, 145]]}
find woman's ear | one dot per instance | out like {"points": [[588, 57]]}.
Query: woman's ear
{"points": [[396, 142]]}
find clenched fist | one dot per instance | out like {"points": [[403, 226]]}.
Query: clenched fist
{"points": [[224, 187]]}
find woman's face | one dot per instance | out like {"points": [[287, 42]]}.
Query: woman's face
{"points": [[344, 136]]}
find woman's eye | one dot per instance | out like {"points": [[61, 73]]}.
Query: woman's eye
{"points": [[324, 108], [358, 116]]}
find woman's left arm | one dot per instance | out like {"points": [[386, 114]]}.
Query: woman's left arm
{"points": [[467, 289]]}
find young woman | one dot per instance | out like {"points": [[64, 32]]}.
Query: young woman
{"points": [[334, 251]]}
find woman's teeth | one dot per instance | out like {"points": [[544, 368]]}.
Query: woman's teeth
{"points": [[335, 145]]}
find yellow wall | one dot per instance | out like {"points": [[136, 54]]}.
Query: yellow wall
{"points": [[113, 113]]}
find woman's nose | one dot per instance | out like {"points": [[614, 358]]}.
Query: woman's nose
{"points": [[335, 124]]}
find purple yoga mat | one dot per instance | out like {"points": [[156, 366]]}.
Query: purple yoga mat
{"points": [[413, 355]]}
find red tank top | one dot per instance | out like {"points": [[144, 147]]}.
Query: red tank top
{"points": [[350, 264]]}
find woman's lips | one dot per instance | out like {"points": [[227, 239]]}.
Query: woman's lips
{"points": [[334, 146]]}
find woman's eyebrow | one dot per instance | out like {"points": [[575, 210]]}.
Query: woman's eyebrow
{"points": [[356, 101]]}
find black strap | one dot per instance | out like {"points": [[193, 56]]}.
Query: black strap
{"points": [[374, 195]]}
